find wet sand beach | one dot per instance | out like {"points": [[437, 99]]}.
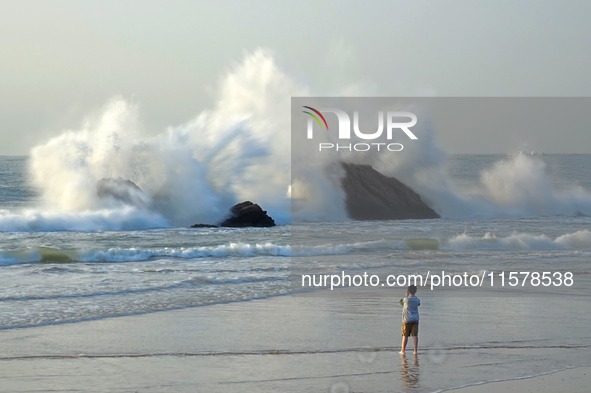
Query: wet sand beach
{"points": [[345, 342]]}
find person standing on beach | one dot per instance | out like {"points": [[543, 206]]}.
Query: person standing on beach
{"points": [[410, 318]]}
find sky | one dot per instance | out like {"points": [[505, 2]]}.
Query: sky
{"points": [[61, 60]]}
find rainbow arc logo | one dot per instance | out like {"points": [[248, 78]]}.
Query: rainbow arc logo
{"points": [[313, 115]]}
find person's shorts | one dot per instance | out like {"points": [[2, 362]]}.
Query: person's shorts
{"points": [[410, 328]]}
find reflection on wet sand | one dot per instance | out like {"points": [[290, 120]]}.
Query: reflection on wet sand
{"points": [[410, 373]]}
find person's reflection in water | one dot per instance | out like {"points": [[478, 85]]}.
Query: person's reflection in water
{"points": [[410, 373]]}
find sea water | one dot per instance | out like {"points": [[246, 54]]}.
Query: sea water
{"points": [[61, 266], [70, 266]]}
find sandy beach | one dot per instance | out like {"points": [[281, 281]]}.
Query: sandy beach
{"points": [[299, 343]]}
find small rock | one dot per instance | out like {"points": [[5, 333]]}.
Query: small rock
{"points": [[247, 214], [203, 226]]}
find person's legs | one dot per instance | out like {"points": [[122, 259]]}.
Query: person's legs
{"points": [[405, 328], [403, 346], [414, 332]]}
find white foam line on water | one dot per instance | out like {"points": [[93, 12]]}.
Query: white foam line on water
{"points": [[144, 312], [520, 241], [529, 376], [579, 240], [267, 352], [119, 218]]}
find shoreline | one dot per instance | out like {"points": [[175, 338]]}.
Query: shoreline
{"points": [[577, 379], [284, 343]]}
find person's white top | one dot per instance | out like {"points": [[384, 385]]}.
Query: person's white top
{"points": [[410, 309]]}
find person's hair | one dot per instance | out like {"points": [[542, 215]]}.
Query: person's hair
{"points": [[412, 289]]}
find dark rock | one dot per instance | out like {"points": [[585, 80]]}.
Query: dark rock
{"points": [[122, 190], [203, 226], [373, 196], [247, 214]]}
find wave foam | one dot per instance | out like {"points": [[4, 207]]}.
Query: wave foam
{"points": [[240, 150], [124, 218], [192, 173], [580, 240], [518, 186], [220, 251]]}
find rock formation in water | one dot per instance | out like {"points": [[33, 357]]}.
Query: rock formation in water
{"points": [[122, 190], [243, 214], [373, 196], [369, 196], [247, 214], [204, 226]]}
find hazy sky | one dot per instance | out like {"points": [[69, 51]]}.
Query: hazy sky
{"points": [[61, 60]]}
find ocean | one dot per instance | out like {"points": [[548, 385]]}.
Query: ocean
{"points": [[63, 266]]}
